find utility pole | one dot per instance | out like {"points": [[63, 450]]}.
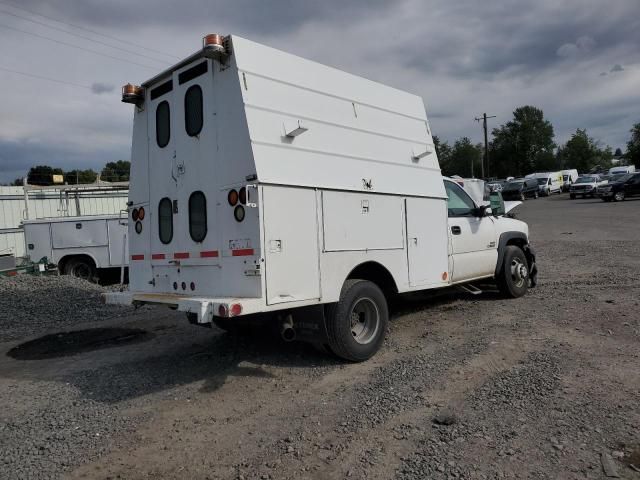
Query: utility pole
{"points": [[486, 143]]}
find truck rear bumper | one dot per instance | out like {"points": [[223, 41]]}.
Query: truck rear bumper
{"points": [[203, 307]]}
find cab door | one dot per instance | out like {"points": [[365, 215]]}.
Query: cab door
{"points": [[473, 239]]}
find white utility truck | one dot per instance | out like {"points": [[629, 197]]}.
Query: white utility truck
{"points": [[275, 184], [79, 246]]}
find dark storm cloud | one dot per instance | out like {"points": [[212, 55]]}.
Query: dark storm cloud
{"points": [[99, 88], [260, 16], [520, 38]]}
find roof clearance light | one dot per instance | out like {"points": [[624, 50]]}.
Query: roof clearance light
{"points": [[132, 94], [232, 197], [213, 46]]}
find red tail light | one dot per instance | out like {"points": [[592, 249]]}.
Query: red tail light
{"points": [[232, 197], [236, 309], [141, 213]]}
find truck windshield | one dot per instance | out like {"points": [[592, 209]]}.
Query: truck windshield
{"points": [[586, 180], [542, 181]]}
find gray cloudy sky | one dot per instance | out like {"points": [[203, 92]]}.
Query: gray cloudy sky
{"points": [[578, 60]]}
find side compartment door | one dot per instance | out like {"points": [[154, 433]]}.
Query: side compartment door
{"points": [[427, 249], [473, 239], [290, 222]]}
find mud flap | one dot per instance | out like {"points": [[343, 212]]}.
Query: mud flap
{"points": [[533, 267], [310, 325]]}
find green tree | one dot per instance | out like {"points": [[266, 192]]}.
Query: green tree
{"points": [[464, 154], [523, 145], [116, 171], [583, 153], [618, 152], [443, 151], [74, 177], [18, 182], [42, 175], [633, 146]]}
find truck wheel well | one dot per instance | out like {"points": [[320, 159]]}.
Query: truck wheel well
{"points": [[65, 260], [376, 273], [518, 242]]}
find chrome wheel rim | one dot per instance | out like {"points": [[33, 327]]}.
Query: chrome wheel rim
{"points": [[519, 272], [619, 196], [365, 320]]}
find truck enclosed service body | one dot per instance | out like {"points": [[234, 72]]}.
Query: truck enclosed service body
{"points": [[272, 183], [79, 246]]}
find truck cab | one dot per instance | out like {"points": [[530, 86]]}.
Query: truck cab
{"points": [[266, 186]]}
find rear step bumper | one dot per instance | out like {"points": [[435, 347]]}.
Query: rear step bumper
{"points": [[205, 308]]}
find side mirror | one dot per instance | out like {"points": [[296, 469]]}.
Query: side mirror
{"points": [[497, 204]]}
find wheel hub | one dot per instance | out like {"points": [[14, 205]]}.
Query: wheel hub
{"points": [[365, 320]]}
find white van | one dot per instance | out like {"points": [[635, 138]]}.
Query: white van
{"points": [[274, 184], [568, 178], [622, 169], [548, 182]]}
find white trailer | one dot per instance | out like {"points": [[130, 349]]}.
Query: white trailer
{"points": [[270, 183], [79, 246]]}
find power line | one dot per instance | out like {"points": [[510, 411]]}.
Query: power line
{"points": [[40, 77], [83, 36], [89, 30], [79, 47]]}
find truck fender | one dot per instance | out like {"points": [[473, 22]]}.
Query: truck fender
{"points": [[62, 262], [521, 240]]}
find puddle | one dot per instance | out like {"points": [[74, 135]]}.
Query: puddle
{"points": [[65, 344]]}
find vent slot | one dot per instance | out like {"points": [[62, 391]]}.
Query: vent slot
{"points": [[193, 72], [162, 89]]}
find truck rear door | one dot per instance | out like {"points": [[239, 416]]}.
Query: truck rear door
{"points": [[183, 187]]}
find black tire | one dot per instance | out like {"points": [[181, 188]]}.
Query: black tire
{"points": [[618, 196], [535, 195], [513, 280], [572, 196], [357, 323], [82, 268], [522, 197]]}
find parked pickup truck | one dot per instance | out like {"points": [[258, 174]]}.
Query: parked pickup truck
{"points": [[276, 186], [586, 185], [626, 186], [520, 189]]}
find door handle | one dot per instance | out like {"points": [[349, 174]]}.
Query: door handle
{"points": [[456, 230]]}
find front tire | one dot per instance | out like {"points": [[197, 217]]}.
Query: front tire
{"points": [[513, 280], [357, 323], [572, 196], [618, 196], [535, 195], [522, 197]]}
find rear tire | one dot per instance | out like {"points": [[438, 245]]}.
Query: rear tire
{"points": [[82, 268], [357, 323], [535, 195], [572, 196], [522, 197], [513, 280]]}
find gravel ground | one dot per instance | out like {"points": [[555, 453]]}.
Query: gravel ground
{"points": [[466, 387]]}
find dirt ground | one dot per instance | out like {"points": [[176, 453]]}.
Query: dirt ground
{"points": [[466, 387]]}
